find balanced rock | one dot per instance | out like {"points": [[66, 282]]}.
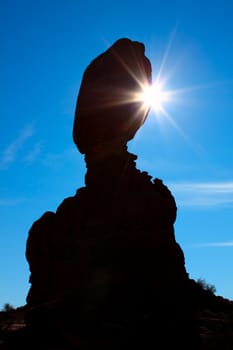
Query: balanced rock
{"points": [[106, 270], [108, 110]]}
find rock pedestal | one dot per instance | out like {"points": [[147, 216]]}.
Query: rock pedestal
{"points": [[106, 270]]}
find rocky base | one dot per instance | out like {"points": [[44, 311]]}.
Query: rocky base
{"points": [[106, 268], [214, 319]]}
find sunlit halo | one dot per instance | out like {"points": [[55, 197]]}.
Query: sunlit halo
{"points": [[154, 96]]}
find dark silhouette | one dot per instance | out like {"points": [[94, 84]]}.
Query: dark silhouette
{"points": [[106, 270], [108, 112]]}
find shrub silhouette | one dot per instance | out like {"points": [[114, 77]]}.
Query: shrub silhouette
{"points": [[206, 286], [7, 307]]}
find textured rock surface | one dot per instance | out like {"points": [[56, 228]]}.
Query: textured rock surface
{"points": [[107, 111], [120, 226], [106, 270]]}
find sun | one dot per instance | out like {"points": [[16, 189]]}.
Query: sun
{"points": [[154, 96]]}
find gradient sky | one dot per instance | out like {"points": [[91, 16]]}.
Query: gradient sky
{"points": [[45, 47]]}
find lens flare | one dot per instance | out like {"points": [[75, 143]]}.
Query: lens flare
{"points": [[154, 96]]}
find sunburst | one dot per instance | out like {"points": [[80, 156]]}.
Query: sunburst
{"points": [[154, 96]]}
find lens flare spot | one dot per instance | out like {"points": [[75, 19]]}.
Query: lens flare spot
{"points": [[153, 96]]}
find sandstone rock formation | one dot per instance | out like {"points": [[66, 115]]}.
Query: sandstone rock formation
{"points": [[106, 270], [107, 111]]}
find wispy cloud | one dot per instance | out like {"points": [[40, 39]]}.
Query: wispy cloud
{"points": [[54, 160], [214, 245], [34, 152], [10, 153], [10, 201], [203, 194]]}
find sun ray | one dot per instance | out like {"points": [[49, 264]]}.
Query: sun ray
{"points": [[175, 125], [140, 83], [192, 88], [155, 96], [185, 137], [167, 50]]}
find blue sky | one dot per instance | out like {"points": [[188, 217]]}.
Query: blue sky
{"points": [[45, 48]]}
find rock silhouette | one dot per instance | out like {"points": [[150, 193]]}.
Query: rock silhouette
{"points": [[106, 269], [108, 112]]}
